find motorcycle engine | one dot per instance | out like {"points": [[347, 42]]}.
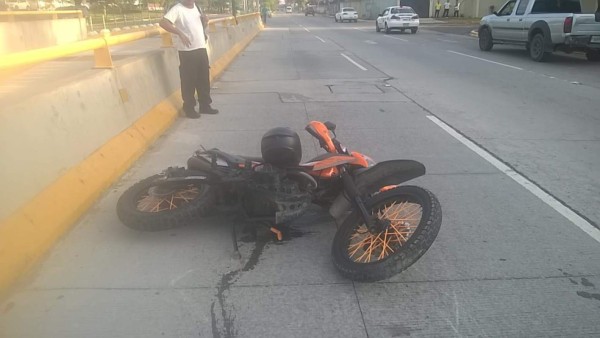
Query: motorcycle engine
{"points": [[272, 193]]}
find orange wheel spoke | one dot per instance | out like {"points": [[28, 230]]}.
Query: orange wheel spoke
{"points": [[357, 246], [150, 202], [403, 217]]}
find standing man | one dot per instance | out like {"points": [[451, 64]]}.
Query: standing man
{"points": [[446, 8], [438, 6], [187, 22], [457, 9]]}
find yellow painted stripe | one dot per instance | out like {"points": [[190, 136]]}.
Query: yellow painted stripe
{"points": [[28, 234]]}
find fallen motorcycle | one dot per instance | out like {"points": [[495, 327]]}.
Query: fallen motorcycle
{"points": [[383, 227]]}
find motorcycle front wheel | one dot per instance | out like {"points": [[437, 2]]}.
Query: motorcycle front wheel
{"points": [[153, 204], [412, 216]]}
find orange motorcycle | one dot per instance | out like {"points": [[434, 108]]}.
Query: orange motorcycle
{"points": [[383, 227]]}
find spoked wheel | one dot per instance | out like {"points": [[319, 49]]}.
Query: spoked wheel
{"points": [[153, 204], [410, 218]]}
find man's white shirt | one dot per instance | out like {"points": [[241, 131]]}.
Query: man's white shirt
{"points": [[188, 21]]}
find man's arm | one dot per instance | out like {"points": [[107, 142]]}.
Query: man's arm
{"points": [[169, 27]]}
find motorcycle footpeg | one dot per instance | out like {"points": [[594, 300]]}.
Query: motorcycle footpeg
{"points": [[277, 233]]}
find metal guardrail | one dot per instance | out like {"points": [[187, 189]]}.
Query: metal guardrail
{"points": [[100, 45]]}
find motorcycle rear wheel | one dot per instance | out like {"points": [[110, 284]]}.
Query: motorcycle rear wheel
{"points": [[153, 205], [414, 215]]}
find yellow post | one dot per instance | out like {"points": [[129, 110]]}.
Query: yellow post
{"points": [[167, 40], [102, 57]]}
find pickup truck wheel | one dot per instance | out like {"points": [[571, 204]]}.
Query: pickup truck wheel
{"points": [[593, 55], [413, 30], [537, 48], [377, 29], [387, 29], [485, 40]]}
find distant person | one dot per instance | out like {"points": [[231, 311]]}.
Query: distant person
{"points": [[457, 10], [446, 8], [263, 13], [188, 23], [82, 8], [438, 7]]}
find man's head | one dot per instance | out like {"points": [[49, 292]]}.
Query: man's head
{"points": [[188, 3]]}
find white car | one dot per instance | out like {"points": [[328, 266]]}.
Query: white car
{"points": [[397, 17], [346, 14], [288, 9]]}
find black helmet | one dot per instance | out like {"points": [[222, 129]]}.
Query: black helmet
{"points": [[281, 147]]}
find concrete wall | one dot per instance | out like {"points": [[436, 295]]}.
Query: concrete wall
{"points": [[16, 36], [62, 148]]}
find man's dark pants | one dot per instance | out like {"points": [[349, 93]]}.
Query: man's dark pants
{"points": [[195, 78]]}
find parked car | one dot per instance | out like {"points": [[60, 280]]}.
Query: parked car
{"points": [[542, 26], [346, 14], [288, 9], [17, 5], [310, 10], [397, 17]]}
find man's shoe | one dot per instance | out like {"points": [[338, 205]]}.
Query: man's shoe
{"points": [[209, 110], [192, 114]]}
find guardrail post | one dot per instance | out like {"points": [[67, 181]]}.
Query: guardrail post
{"points": [[102, 57], [167, 40]]}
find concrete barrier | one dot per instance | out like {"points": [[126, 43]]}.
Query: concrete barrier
{"points": [[20, 31], [78, 139]]}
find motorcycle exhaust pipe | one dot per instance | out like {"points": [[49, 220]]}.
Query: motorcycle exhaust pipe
{"points": [[198, 163]]}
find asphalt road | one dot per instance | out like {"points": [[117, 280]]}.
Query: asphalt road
{"points": [[511, 147]]}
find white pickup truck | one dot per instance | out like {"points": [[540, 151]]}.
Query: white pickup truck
{"points": [[543, 26]]}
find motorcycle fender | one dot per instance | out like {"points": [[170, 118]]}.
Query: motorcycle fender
{"points": [[369, 181], [388, 173]]}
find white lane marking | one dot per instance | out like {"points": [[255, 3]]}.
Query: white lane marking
{"points": [[524, 182], [354, 62], [306, 29], [370, 42], [320, 39], [395, 38], [490, 61]]}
